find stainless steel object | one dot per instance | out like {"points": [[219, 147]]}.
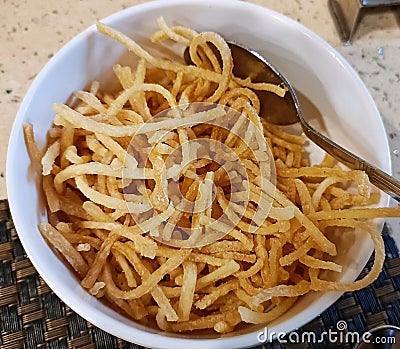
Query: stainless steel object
{"points": [[287, 111], [382, 337], [348, 13]]}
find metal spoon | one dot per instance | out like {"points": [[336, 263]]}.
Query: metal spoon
{"points": [[382, 337], [287, 110]]}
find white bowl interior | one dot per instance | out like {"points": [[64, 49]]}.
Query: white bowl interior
{"points": [[313, 67]]}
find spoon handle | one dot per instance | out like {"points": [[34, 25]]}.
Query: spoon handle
{"points": [[380, 179]]}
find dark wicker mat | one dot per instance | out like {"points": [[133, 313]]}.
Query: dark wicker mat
{"points": [[32, 316]]}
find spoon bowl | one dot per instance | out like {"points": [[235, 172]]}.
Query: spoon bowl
{"points": [[382, 337], [276, 110]]}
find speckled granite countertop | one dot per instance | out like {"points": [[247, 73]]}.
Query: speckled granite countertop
{"points": [[31, 31]]}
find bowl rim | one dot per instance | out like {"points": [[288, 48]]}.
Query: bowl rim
{"points": [[114, 327]]}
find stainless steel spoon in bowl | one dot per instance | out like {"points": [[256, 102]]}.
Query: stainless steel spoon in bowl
{"points": [[381, 337], [286, 111]]}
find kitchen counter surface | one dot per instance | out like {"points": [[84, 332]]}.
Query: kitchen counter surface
{"points": [[32, 31]]}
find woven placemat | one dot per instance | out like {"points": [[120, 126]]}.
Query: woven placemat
{"points": [[32, 316]]}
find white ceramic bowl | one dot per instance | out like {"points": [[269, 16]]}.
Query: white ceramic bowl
{"points": [[313, 67]]}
